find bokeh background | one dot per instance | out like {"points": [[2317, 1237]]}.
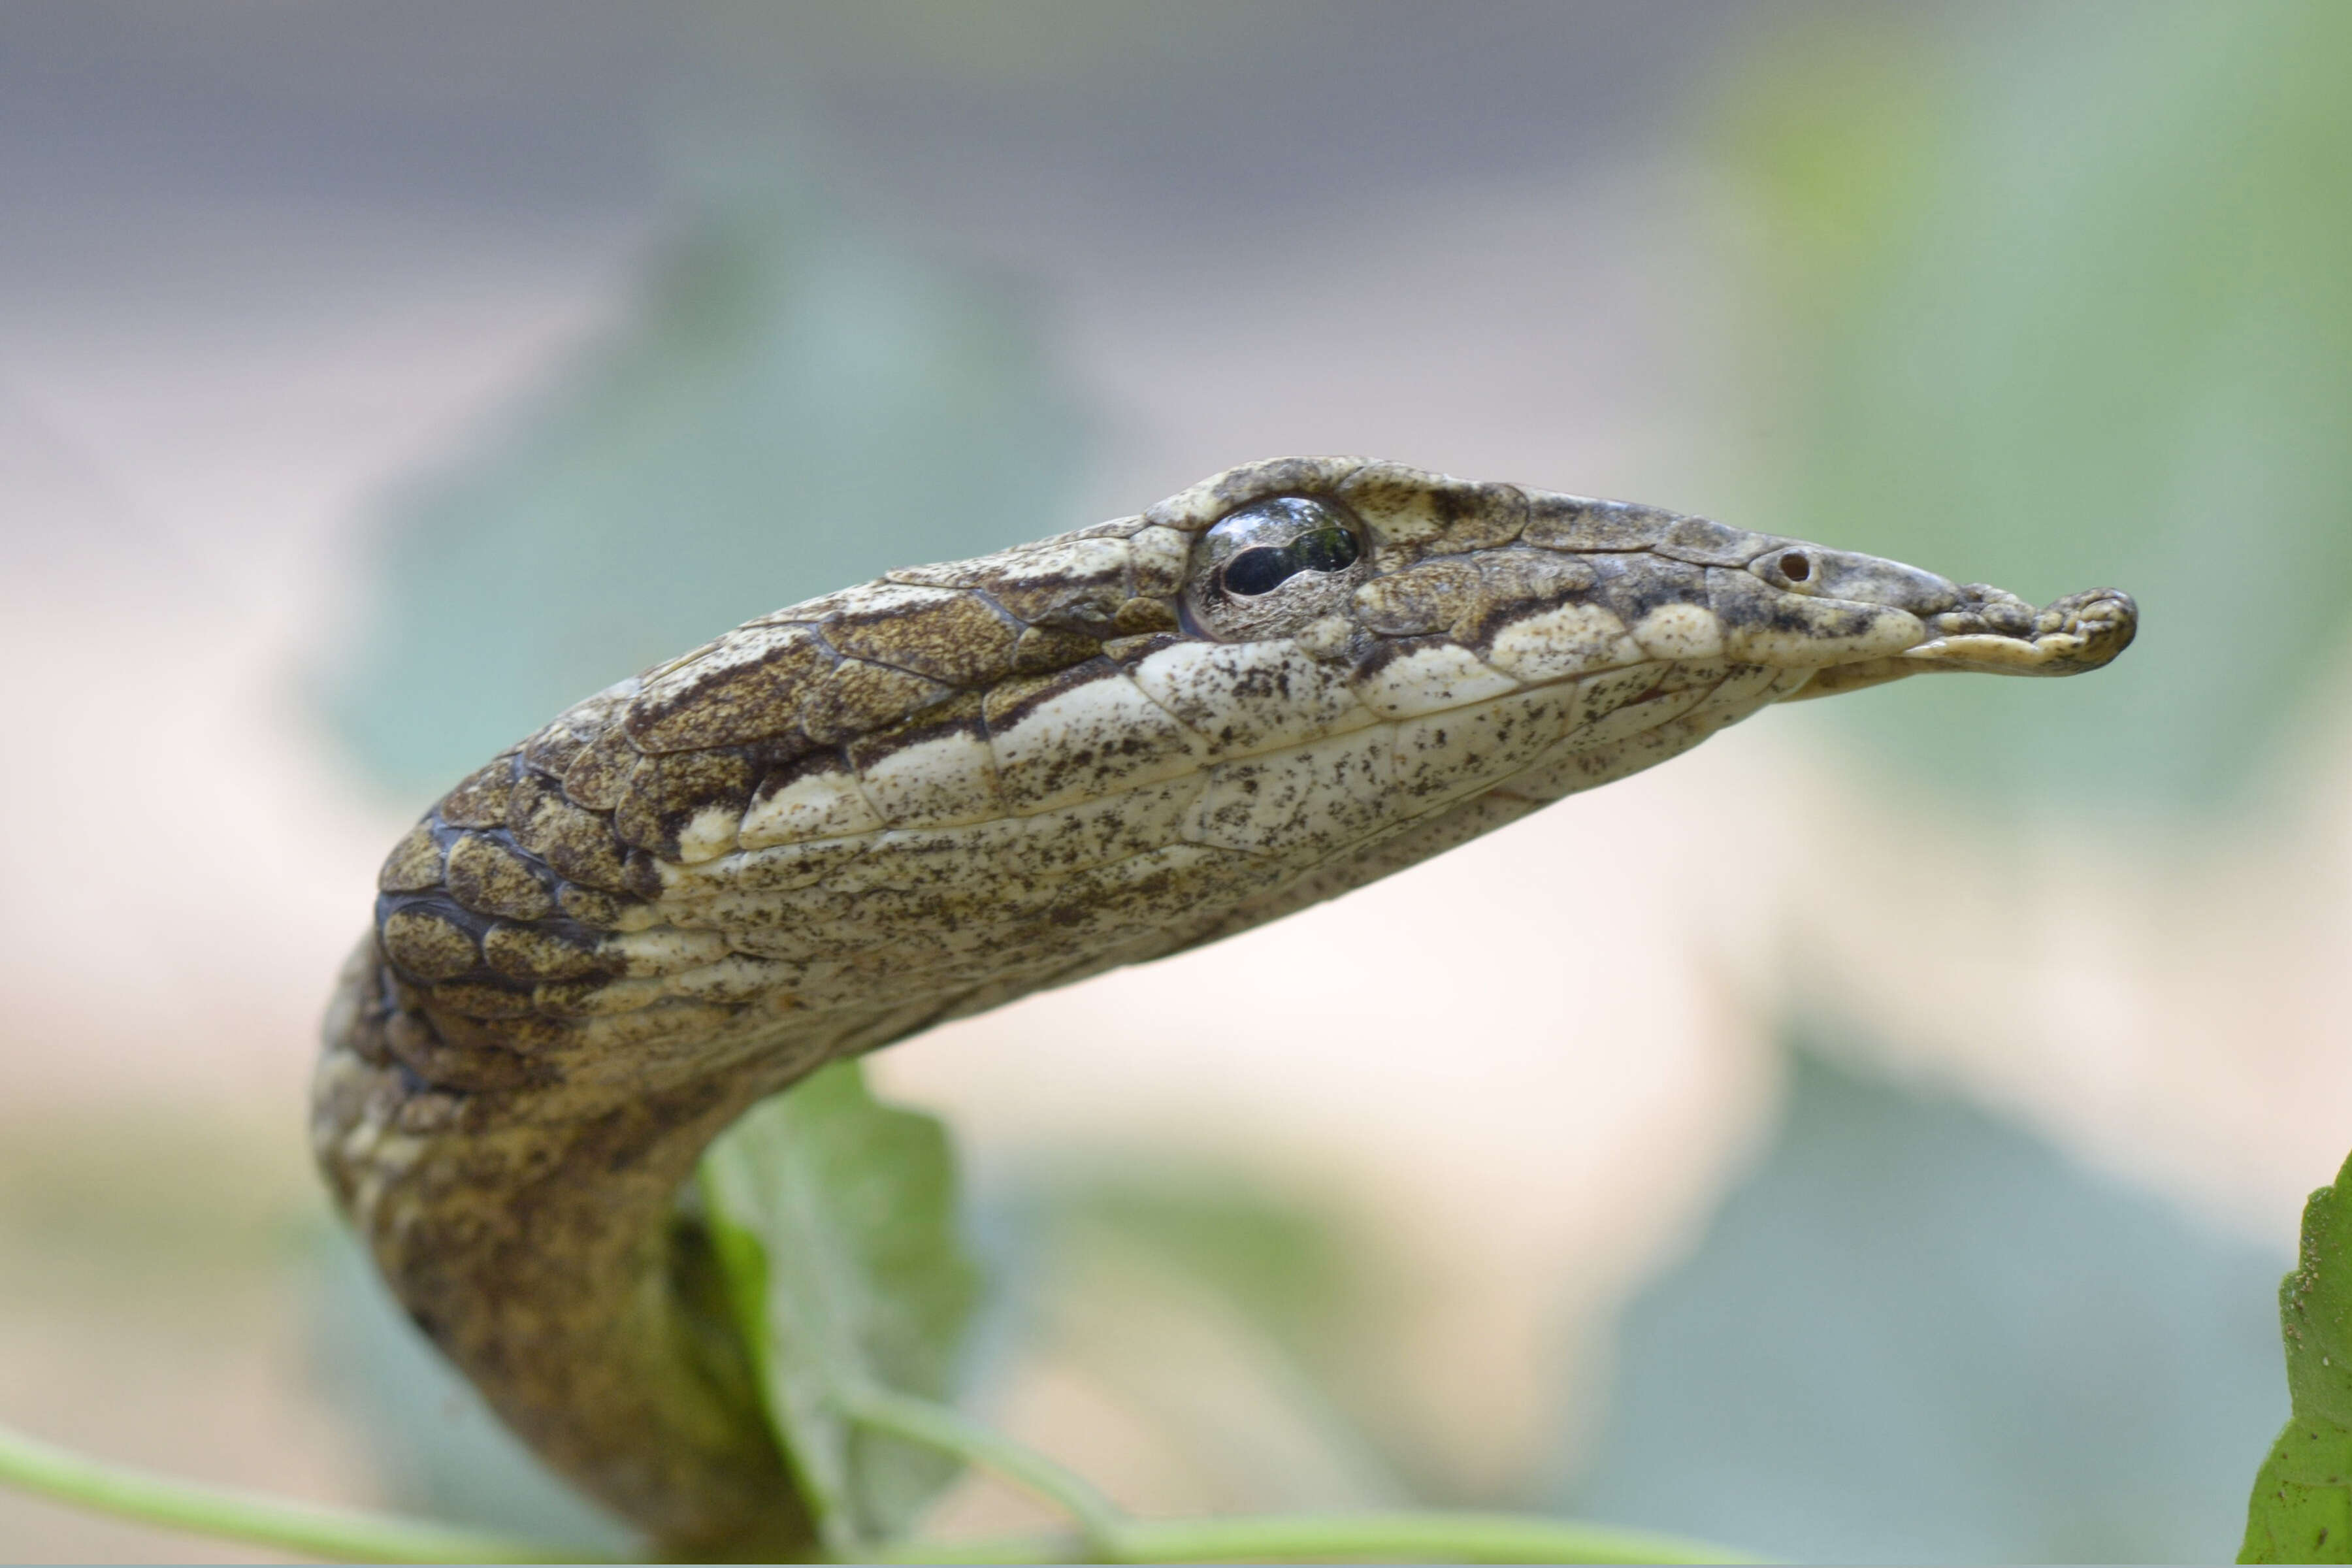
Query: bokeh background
{"points": [[1875, 1136]]}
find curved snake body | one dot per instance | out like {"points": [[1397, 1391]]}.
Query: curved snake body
{"points": [[847, 821]]}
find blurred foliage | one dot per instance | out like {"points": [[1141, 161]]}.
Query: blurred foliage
{"points": [[1293, 1268], [2301, 1510], [96, 1203], [791, 406], [2062, 302], [1021, 41], [1296, 1292], [2055, 300], [1918, 1334], [834, 1218]]}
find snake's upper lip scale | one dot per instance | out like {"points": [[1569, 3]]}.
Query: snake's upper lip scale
{"points": [[1999, 634]]}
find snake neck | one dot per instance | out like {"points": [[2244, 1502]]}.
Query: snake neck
{"points": [[545, 1256]]}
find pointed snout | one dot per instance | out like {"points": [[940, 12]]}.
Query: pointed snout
{"points": [[1863, 620], [2079, 632]]}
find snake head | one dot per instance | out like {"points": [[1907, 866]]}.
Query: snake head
{"points": [[1385, 560]]}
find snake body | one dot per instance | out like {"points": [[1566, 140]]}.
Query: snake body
{"points": [[843, 823]]}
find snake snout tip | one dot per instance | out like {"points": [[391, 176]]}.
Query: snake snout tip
{"points": [[2099, 622], [2069, 635]]}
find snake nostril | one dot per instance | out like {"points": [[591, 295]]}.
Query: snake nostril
{"points": [[1795, 566]]}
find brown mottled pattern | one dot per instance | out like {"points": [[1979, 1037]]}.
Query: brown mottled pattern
{"points": [[842, 823]]}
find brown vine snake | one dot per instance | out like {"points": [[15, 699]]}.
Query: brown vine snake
{"points": [[850, 820]]}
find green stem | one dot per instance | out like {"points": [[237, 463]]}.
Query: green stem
{"points": [[1462, 1537], [1101, 1523], [246, 1516], [1424, 1537], [1107, 1534]]}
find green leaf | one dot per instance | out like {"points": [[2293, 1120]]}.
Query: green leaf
{"points": [[834, 1217], [1918, 1332], [2301, 1508]]}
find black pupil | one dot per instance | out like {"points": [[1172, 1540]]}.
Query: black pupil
{"points": [[1257, 571], [1262, 569]]}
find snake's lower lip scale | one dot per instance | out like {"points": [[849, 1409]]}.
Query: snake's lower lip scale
{"points": [[840, 824]]}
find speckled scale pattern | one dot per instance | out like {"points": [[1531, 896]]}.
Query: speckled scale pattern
{"points": [[845, 821]]}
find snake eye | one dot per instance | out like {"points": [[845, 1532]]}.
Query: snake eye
{"points": [[1303, 545], [1265, 568], [1795, 567], [1258, 548]]}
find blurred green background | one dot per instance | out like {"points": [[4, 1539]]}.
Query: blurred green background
{"points": [[375, 380]]}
